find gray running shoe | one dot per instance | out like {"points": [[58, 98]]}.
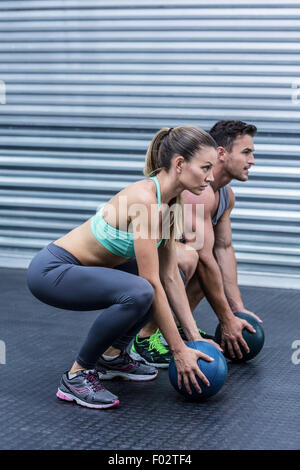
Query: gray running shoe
{"points": [[86, 390], [126, 368]]}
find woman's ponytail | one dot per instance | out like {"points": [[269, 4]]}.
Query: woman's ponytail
{"points": [[153, 164]]}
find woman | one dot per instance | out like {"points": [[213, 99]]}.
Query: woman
{"points": [[94, 267]]}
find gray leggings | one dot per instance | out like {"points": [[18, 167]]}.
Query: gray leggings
{"points": [[57, 278]]}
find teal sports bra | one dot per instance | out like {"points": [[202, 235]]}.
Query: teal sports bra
{"points": [[117, 241]]}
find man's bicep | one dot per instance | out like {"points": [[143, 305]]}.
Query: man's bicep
{"points": [[208, 238], [223, 230]]}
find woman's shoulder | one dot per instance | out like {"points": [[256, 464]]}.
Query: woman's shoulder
{"points": [[142, 191]]}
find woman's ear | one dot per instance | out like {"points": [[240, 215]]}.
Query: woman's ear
{"points": [[179, 160]]}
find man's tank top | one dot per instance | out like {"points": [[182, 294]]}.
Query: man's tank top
{"points": [[223, 204]]}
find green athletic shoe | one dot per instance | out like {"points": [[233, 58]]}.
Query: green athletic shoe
{"points": [[151, 351]]}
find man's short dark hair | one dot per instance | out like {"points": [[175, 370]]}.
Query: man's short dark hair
{"points": [[225, 132]]}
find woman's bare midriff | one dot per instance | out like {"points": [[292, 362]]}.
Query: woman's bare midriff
{"points": [[82, 244]]}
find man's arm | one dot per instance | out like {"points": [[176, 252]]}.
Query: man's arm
{"points": [[211, 278], [225, 256]]}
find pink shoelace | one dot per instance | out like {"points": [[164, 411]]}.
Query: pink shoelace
{"points": [[93, 378]]}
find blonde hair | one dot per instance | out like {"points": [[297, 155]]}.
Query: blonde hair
{"points": [[167, 142]]}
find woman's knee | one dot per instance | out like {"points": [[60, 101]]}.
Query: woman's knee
{"points": [[145, 292], [141, 294]]}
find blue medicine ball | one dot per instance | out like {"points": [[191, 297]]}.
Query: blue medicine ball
{"points": [[215, 371]]}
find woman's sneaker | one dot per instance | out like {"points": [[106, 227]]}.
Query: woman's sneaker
{"points": [[126, 368], [85, 389], [151, 351]]}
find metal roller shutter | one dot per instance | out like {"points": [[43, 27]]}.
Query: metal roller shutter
{"points": [[89, 83]]}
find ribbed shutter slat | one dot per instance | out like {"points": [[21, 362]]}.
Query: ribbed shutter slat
{"points": [[89, 83]]}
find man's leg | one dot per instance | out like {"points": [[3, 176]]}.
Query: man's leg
{"points": [[194, 292]]}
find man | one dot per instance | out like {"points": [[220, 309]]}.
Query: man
{"points": [[211, 270]]}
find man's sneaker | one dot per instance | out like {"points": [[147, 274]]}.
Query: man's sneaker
{"points": [[202, 333], [180, 331], [151, 351], [86, 389], [126, 368]]}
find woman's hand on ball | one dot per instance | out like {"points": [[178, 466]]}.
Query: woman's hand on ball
{"points": [[187, 368]]}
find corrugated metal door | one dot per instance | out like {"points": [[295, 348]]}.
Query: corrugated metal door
{"points": [[89, 83]]}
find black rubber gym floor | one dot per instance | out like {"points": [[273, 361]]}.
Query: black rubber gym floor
{"points": [[258, 408]]}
